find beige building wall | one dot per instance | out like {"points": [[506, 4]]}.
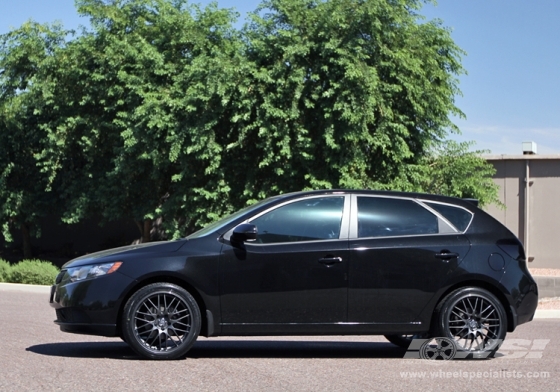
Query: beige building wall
{"points": [[532, 212]]}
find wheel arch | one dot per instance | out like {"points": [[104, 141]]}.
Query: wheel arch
{"points": [[166, 279], [486, 286]]}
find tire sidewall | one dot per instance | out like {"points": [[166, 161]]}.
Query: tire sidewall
{"points": [[135, 301]]}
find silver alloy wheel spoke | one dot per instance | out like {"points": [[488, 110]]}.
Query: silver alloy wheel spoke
{"points": [[154, 306], [458, 315], [489, 307], [143, 325]]}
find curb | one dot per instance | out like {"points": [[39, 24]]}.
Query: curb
{"points": [[549, 286], [547, 314], [30, 288]]}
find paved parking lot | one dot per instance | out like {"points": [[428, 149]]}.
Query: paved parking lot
{"points": [[35, 356]]}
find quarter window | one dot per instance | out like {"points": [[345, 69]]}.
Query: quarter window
{"points": [[385, 217], [305, 220], [458, 217]]}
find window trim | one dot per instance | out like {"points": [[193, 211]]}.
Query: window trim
{"points": [[344, 224], [441, 221]]}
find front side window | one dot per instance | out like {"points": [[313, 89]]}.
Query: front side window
{"points": [[305, 220], [386, 217]]}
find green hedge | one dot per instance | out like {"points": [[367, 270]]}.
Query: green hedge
{"points": [[4, 270], [28, 272]]}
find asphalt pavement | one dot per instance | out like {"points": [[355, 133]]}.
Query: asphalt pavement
{"points": [[36, 356]]}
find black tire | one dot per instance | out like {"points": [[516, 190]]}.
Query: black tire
{"points": [[161, 321], [475, 319], [405, 340]]}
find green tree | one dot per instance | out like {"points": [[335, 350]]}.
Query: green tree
{"points": [[26, 192], [453, 169], [138, 99], [340, 93], [163, 109]]}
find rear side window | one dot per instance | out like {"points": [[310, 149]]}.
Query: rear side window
{"points": [[385, 217], [458, 217]]}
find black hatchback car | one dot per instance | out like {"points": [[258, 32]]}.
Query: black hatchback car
{"points": [[335, 262]]}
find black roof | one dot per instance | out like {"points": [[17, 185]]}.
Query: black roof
{"points": [[467, 203]]}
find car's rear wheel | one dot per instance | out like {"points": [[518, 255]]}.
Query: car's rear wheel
{"points": [[475, 319], [161, 321]]}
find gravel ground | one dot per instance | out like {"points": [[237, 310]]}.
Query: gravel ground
{"points": [[547, 303], [544, 271]]}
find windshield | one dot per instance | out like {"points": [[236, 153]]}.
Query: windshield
{"points": [[216, 226]]}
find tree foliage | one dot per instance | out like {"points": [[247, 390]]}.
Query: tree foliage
{"points": [[138, 99], [343, 94], [456, 170], [25, 188], [164, 110]]}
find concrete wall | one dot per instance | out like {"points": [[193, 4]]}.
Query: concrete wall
{"points": [[542, 239]]}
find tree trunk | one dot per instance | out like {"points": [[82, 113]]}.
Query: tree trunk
{"points": [[140, 227], [146, 232], [27, 252]]}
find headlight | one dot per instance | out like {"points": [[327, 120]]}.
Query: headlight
{"points": [[92, 271]]}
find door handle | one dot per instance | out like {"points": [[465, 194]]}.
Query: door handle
{"points": [[330, 260], [446, 255]]}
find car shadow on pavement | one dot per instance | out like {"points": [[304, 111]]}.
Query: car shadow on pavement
{"points": [[230, 349], [293, 349], [109, 349]]}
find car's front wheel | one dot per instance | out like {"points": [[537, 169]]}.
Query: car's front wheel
{"points": [[161, 321], [475, 319]]}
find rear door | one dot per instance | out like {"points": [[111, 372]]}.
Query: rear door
{"points": [[401, 254]]}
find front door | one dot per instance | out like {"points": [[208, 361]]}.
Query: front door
{"points": [[296, 270]]}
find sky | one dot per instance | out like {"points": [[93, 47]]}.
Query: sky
{"points": [[511, 93]]}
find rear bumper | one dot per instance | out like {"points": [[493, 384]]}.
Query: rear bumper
{"points": [[523, 297]]}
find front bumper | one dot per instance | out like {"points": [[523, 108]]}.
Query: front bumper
{"points": [[90, 306]]}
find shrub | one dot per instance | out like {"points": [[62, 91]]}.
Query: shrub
{"points": [[4, 270], [33, 272]]}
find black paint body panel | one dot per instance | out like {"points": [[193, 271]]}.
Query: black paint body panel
{"points": [[388, 285]]}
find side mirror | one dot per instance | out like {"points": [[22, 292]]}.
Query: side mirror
{"points": [[244, 232]]}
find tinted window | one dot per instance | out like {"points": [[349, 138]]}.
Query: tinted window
{"points": [[305, 220], [457, 216], [216, 226], [382, 217]]}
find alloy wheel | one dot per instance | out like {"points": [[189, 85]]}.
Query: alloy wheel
{"points": [[475, 319], [162, 321]]}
